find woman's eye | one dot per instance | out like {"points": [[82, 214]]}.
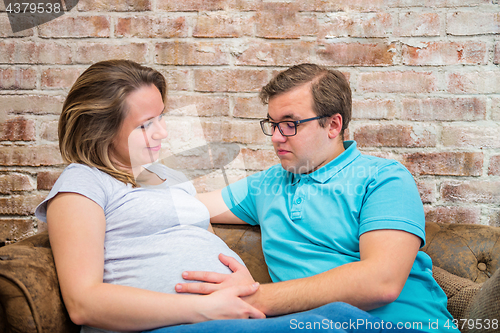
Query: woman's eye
{"points": [[146, 125]]}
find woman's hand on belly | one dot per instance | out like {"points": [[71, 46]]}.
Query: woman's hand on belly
{"points": [[212, 282]]}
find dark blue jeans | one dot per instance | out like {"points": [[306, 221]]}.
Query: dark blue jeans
{"points": [[333, 317]]}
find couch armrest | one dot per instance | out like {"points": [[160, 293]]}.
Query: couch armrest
{"points": [[29, 291], [467, 250]]}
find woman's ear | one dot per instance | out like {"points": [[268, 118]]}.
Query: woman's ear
{"points": [[335, 126]]}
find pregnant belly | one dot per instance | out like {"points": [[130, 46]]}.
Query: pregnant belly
{"points": [[156, 262]]}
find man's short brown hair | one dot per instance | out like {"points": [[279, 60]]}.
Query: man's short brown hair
{"points": [[330, 90]]}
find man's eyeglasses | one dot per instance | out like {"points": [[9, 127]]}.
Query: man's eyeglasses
{"points": [[286, 128]]}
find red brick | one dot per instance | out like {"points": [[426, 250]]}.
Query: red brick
{"points": [[445, 53], [147, 26], [20, 204], [397, 82], [447, 109], [364, 25], [477, 191], [427, 191], [46, 179], [89, 53], [475, 22], [373, 109], [355, 54], [445, 163], [249, 107], [186, 132], [275, 54], [58, 78], [239, 131], [215, 180], [283, 21], [413, 24], [48, 131], [30, 155], [470, 136], [187, 53], [191, 5], [382, 154], [36, 104], [27, 52], [14, 78], [435, 3], [198, 105], [15, 182], [177, 79], [226, 80], [259, 159], [6, 30], [494, 167], [496, 59], [114, 6], [76, 27], [494, 217], [395, 136], [216, 25], [495, 108], [18, 129], [15, 229], [341, 5], [453, 214], [485, 82]]}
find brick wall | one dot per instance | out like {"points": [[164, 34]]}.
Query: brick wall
{"points": [[426, 85]]}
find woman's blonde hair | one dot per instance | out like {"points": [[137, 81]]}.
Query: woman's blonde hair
{"points": [[95, 109]]}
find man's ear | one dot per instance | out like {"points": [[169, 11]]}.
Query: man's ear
{"points": [[335, 126]]}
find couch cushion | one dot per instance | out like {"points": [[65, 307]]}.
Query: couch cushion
{"points": [[485, 307], [29, 291], [459, 291]]}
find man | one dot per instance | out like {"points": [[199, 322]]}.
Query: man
{"points": [[336, 225]]}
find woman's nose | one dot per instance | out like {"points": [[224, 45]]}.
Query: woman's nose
{"points": [[160, 130]]}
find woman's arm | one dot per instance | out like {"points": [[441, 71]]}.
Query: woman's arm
{"points": [[77, 227]]}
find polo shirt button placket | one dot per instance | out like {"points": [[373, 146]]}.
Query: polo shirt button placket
{"points": [[296, 213]]}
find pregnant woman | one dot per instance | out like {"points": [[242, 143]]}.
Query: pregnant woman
{"points": [[122, 233]]}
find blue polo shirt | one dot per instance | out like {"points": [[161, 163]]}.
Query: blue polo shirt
{"points": [[311, 223]]}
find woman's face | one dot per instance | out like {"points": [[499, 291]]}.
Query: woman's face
{"points": [[138, 141]]}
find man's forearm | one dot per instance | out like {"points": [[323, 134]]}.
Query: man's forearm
{"points": [[352, 283]]}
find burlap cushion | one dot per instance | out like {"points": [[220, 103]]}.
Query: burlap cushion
{"points": [[459, 290], [485, 307]]}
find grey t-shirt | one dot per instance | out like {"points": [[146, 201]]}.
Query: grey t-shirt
{"points": [[153, 233]]}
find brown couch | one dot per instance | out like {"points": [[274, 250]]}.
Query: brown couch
{"points": [[466, 259]]}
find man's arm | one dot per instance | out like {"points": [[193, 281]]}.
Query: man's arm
{"points": [[376, 280], [219, 212]]}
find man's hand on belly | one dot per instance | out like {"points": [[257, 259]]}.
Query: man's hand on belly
{"points": [[216, 281]]}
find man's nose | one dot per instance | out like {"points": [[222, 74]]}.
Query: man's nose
{"points": [[277, 136]]}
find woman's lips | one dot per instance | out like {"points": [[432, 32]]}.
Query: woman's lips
{"points": [[155, 148]]}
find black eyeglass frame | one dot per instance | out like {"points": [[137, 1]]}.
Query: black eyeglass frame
{"points": [[295, 123]]}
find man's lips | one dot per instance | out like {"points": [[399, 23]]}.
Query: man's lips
{"points": [[282, 151]]}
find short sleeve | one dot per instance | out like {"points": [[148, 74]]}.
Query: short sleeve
{"points": [[76, 178], [240, 197], [392, 201]]}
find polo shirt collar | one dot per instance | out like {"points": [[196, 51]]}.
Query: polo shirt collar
{"points": [[329, 170]]}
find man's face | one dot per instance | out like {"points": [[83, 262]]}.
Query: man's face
{"points": [[311, 147]]}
